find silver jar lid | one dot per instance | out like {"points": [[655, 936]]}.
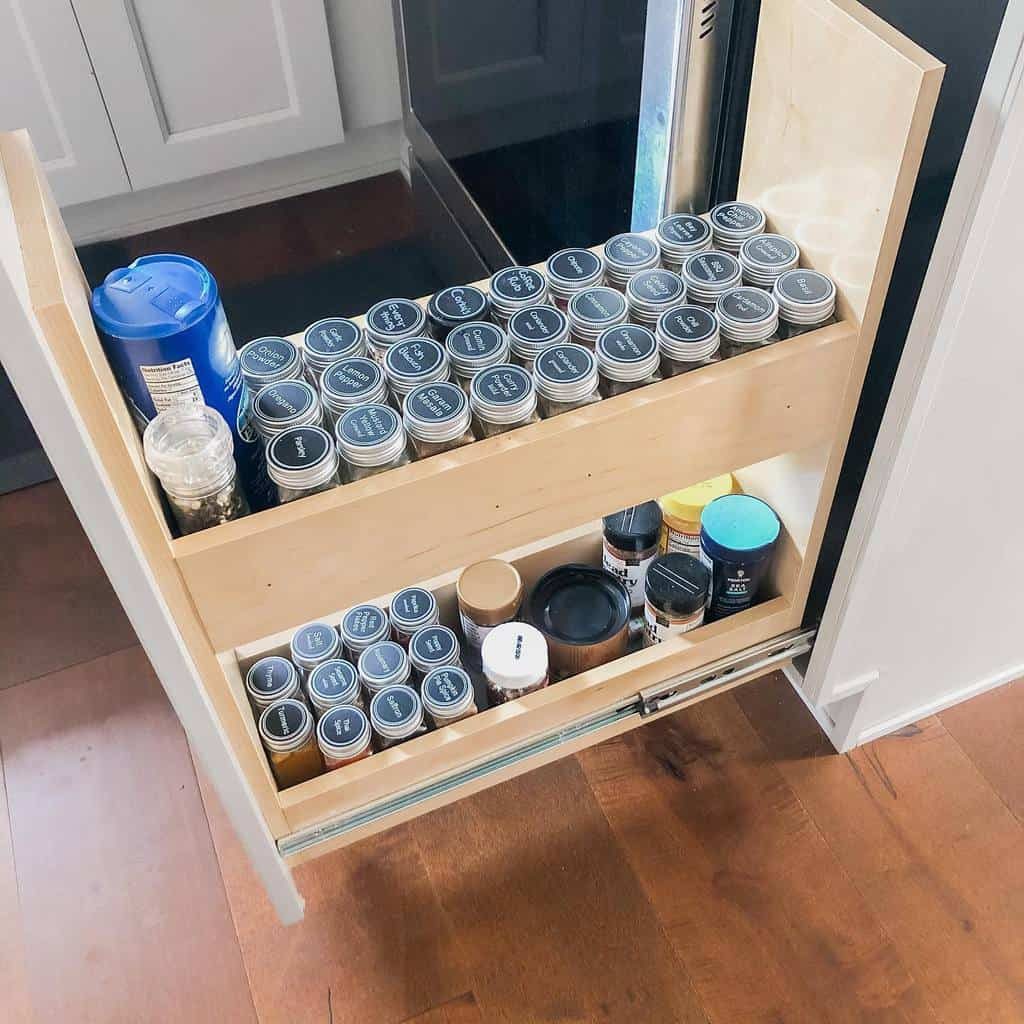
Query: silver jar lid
{"points": [[593, 310], [271, 679], [343, 733], [733, 222], [392, 320], [627, 353], [313, 643], [287, 403], [565, 373], [301, 457], [412, 609], [285, 726], [533, 329], [383, 664], [370, 435], [270, 359], [352, 381], [805, 296], [571, 270], [503, 394], [396, 712], [627, 254], [763, 258], [688, 334], [433, 646], [651, 292], [332, 683], [413, 362], [747, 315], [436, 412], [682, 234], [329, 340], [710, 273], [364, 625], [516, 287], [475, 346], [447, 692]]}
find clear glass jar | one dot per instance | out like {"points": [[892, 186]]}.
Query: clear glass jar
{"points": [[433, 647], [383, 664], [396, 714], [288, 403], [191, 451], [408, 364], [313, 644], [474, 347], [565, 377], [628, 254], [570, 271], [515, 288], [764, 258], [411, 609], [363, 626], [302, 461], [733, 223], [393, 320], [650, 293], [349, 382], [688, 338], [327, 341], [271, 679], [437, 419], [343, 736], [592, 311], [267, 360], [332, 684], [502, 398], [288, 735], [748, 318], [627, 358], [447, 695], [807, 301], [534, 329], [514, 656], [371, 440], [680, 235], [452, 307], [709, 274]]}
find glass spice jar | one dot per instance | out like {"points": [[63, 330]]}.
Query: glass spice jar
{"points": [[271, 679], [302, 461], [333, 683], [628, 254], [437, 419], [383, 664], [289, 738], [515, 288], [288, 403], [681, 511], [630, 545], [452, 307], [592, 311], [489, 593], [748, 318], [352, 381], [363, 626], [327, 341], [764, 258], [192, 453], [807, 301], [688, 338], [514, 656], [675, 595], [396, 714], [432, 647], [680, 235], [447, 695], [570, 271], [709, 274], [412, 609], [313, 644], [627, 358], [565, 377], [343, 736], [408, 364], [393, 320], [267, 360], [534, 329], [502, 398], [371, 440], [474, 347], [734, 222], [650, 293]]}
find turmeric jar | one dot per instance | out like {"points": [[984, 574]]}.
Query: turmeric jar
{"points": [[289, 737], [681, 511]]}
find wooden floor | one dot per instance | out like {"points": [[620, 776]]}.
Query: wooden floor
{"points": [[720, 865]]}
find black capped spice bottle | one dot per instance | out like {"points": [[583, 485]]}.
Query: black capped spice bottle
{"points": [[675, 595], [630, 545], [437, 419], [627, 358]]}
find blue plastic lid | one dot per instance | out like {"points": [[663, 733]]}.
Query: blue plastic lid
{"points": [[738, 523], [154, 297]]}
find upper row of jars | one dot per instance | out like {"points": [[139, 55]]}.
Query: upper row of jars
{"points": [[416, 382]]}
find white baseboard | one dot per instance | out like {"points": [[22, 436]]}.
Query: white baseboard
{"points": [[364, 153]]}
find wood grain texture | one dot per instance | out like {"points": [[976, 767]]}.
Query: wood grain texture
{"points": [[15, 998], [461, 1010]]}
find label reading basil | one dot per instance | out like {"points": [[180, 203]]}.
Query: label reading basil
{"points": [[300, 447], [266, 355], [630, 250], [395, 705], [436, 402], [688, 323], [434, 644], [627, 344], [598, 305], [365, 620], [746, 304], [476, 340], [684, 229], [270, 675], [446, 686], [503, 385], [352, 377], [394, 316], [413, 358], [736, 216], [537, 323], [656, 286], [332, 679], [462, 302], [381, 661], [805, 286], [332, 337], [770, 250], [712, 267], [369, 424], [284, 720], [574, 265], [283, 401], [566, 363], [518, 284]]}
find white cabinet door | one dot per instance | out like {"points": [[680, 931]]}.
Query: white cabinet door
{"points": [[197, 86], [47, 86]]}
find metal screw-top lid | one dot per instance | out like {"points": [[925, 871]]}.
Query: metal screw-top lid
{"points": [[688, 333], [436, 412], [733, 222], [682, 234], [370, 435], [805, 296], [627, 254], [447, 692], [515, 287], [412, 609], [363, 625], [764, 257], [288, 403], [329, 340], [651, 292], [331, 683], [591, 311], [396, 712], [301, 457], [266, 360], [708, 274], [747, 315], [459, 304], [413, 362], [271, 679], [503, 394], [394, 320], [475, 346], [343, 732], [571, 270], [285, 726], [352, 381], [313, 643], [383, 664], [533, 329], [565, 373], [677, 583], [627, 353], [433, 646]]}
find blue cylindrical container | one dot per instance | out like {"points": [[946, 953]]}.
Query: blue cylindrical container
{"points": [[737, 537], [168, 342]]}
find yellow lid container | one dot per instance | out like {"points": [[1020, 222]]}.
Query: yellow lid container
{"points": [[682, 509]]}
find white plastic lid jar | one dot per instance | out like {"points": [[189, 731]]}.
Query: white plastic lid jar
{"points": [[734, 222], [393, 320], [627, 254], [514, 657]]}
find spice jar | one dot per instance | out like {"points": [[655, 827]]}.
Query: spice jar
{"points": [[191, 451], [627, 254], [343, 735], [707, 275], [534, 329], [363, 626], [737, 538], [455, 306], [383, 664], [687, 337], [474, 347], [411, 609], [489, 593], [432, 647], [733, 223], [570, 271], [447, 695], [396, 714], [289, 403], [807, 301], [748, 318], [502, 398], [331, 684], [514, 656], [681, 235], [349, 382], [371, 440], [393, 320], [681, 511], [675, 594], [627, 358], [302, 461], [408, 364], [651, 292], [267, 360], [592, 311], [271, 679], [437, 419], [630, 545], [565, 377], [764, 258], [515, 288], [313, 644], [287, 733], [327, 341]]}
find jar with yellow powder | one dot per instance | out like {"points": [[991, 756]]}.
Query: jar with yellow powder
{"points": [[680, 528]]}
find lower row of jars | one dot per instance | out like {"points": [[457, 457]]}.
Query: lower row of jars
{"points": [[383, 676]]}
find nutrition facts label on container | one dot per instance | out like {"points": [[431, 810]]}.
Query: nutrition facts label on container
{"points": [[172, 384]]}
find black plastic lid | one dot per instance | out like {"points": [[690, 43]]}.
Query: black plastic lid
{"points": [[352, 377], [564, 363], [475, 340], [394, 316], [368, 424], [574, 265], [598, 305], [535, 323], [300, 448], [750, 305], [517, 284], [684, 228], [677, 583], [630, 250], [688, 323], [334, 336], [636, 528], [332, 678], [284, 400], [433, 645], [459, 304], [414, 357], [578, 604], [712, 266]]}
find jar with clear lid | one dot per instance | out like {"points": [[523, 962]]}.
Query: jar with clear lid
{"points": [[651, 292], [764, 258], [268, 360], [627, 358], [593, 311], [363, 626], [447, 695], [474, 347], [515, 288], [314, 643], [343, 736], [302, 461], [371, 440], [534, 329], [452, 307], [566, 378], [514, 656], [433, 647], [352, 381], [807, 301], [288, 403], [408, 364], [383, 664], [333, 683], [271, 679], [733, 223], [708, 275], [396, 714], [288, 736], [437, 419], [192, 453], [390, 321], [412, 609], [680, 235], [327, 341], [748, 318], [570, 271], [628, 254], [502, 398], [688, 338]]}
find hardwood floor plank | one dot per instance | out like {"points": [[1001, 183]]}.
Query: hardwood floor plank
{"points": [[764, 918], [123, 912], [462, 1010], [14, 992], [934, 851]]}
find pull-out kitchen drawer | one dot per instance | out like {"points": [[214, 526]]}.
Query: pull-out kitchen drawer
{"points": [[839, 111]]}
